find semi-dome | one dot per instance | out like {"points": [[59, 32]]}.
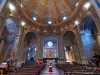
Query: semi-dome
{"points": [[49, 11]]}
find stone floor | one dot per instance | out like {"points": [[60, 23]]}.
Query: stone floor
{"points": [[55, 71]]}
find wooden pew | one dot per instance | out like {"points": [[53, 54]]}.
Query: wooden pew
{"points": [[29, 70], [77, 69]]}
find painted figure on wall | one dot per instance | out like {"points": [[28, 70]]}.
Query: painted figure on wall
{"points": [[11, 29]]}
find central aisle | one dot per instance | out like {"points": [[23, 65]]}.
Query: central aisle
{"points": [[55, 71]]}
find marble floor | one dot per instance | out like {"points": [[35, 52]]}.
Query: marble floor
{"points": [[55, 71]]}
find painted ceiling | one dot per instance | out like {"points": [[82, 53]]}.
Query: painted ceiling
{"points": [[49, 10]]}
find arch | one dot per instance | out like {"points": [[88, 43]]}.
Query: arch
{"points": [[84, 16], [30, 37], [31, 54], [68, 30], [69, 40], [50, 37], [89, 32], [50, 51], [33, 31], [69, 36]]}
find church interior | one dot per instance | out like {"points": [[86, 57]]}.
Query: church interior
{"points": [[49, 37]]}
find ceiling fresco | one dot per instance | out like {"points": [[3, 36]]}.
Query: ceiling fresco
{"points": [[49, 10]]}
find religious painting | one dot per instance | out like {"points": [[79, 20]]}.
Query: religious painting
{"points": [[10, 30], [51, 53]]}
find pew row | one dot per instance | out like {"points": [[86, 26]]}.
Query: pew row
{"points": [[79, 69]]}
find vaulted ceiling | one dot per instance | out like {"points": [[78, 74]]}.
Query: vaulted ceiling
{"points": [[49, 10]]}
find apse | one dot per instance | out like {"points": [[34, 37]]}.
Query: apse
{"points": [[88, 31], [50, 47]]}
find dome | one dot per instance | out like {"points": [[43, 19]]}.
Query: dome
{"points": [[48, 11]]}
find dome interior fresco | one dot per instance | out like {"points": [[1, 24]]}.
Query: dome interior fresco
{"points": [[49, 10]]}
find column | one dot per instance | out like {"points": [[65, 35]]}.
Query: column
{"points": [[21, 43], [41, 48], [60, 49], [1, 45], [1, 48], [81, 47], [3, 20], [63, 51], [18, 44], [74, 52], [40, 45], [15, 48], [37, 52]]}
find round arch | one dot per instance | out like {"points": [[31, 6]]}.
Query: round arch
{"points": [[31, 54], [86, 15], [32, 31], [30, 37], [69, 36], [89, 32], [50, 48], [69, 40]]}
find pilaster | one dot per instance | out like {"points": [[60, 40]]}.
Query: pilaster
{"points": [[81, 47]]}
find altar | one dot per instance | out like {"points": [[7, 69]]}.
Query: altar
{"points": [[48, 59]]}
